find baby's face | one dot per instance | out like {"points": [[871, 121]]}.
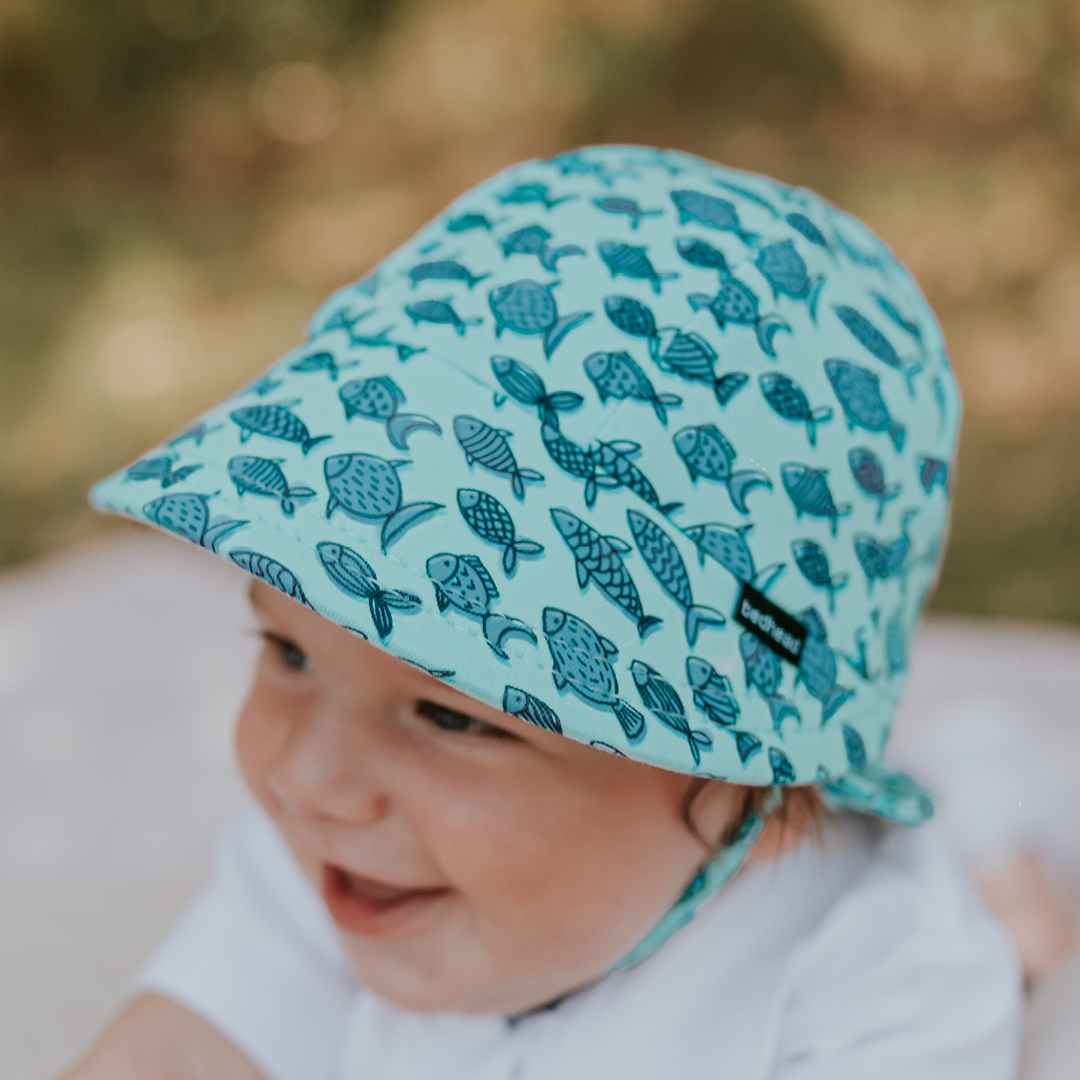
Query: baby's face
{"points": [[472, 861]]}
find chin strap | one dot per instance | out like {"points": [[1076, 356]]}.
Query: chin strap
{"points": [[711, 876]]}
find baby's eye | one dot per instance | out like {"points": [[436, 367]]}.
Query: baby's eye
{"points": [[290, 654], [452, 720]]}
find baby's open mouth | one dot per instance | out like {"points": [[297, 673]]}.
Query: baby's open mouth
{"points": [[371, 907]]}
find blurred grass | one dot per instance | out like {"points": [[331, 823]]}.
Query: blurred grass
{"points": [[181, 181]]}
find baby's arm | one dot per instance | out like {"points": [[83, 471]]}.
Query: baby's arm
{"points": [[155, 1038]]}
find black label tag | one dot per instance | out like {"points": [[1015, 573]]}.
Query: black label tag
{"points": [[783, 633]]}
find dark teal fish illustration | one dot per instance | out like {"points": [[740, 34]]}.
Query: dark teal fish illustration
{"points": [[702, 255], [880, 560], [807, 229], [263, 476], [161, 468], [440, 312], [341, 321], [706, 452], [378, 399], [906, 324], [859, 393], [367, 488], [487, 446], [188, 515], [533, 240], [465, 222], [626, 206], [582, 659], [196, 433], [817, 666], [870, 476], [270, 571], [262, 386], [764, 674], [814, 565], [692, 358], [573, 163], [614, 459], [526, 387], [726, 544], [634, 318], [526, 307], [875, 342], [532, 710], [782, 769], [532, 193], [577, 462], [784, 269], [787, 399], [599, 559], [663, 701], [353, 575], [931, 471], [809, 493], [617, 375], [321, 361], [443, 270], [275, 422], [858, 662], [463, 582], [710, 210], [854, 747], [736, 303], [489, 519], [713, 693], [663, 559], [896, 644], [746, 193], [632, 262]]}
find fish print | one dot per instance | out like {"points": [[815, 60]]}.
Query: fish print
{"points": [[532, 710], [663, 559], [807, 229], [854, 747], [876, 343], [188, 515], [614, 459], [782, 770], [196, 433], [582, 659], [880, 560], [764, 674], [787, 399], [869, 474], [634, 318], [443, 270], [628, 207], [439, 312], [341, 321], [489, 519], [275, 422], [710, 210], [270, 571], [817, 666], [527, 388], [367, 488], [663, 701], [321, 361], [353, 575], [931, 471], [893, 312], [809, 493], [572, 163], [462, 581], [487, 446], [466, 222], [378, 399], [896, 644], [692, 358], [632, 262], [713, 693], [526, 307], [726, 544], [617, 375], [736, 303], [784, 269], [705, 452], [702, 255], [263, 385], [577, 462], [746, 193], [161, 469], [263, 476], [813, 563], [523, 194], [859, 394], [599, 558], [533, 240]]}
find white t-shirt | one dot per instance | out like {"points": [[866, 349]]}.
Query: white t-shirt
{"points": [[861, 954]]}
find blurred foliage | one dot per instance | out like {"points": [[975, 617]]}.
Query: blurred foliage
{"points": [[181, 181]]}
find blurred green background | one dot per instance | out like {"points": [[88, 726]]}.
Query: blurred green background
{"points": [[181, 181]]}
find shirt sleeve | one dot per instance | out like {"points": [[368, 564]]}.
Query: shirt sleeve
{"points": [[908, 979], [257, 956]]}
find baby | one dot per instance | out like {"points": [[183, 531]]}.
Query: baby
{"points": [[586, 596]]}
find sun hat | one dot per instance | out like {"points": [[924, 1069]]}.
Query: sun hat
{"points": [[644, 450]]}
